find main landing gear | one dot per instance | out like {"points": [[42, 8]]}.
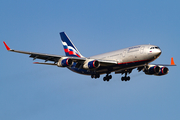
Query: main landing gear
{"points": [[95, 76], [107, 77], [125, 78]]}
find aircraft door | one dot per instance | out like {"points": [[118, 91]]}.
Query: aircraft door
{"points": [[124, 53], [142, 49]]}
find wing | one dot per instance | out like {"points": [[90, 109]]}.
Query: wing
{"points": [[46, 57], [55, 58], [172, 63]]}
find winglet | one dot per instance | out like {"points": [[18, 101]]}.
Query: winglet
{"points": [[172, 61], [7, 47]]}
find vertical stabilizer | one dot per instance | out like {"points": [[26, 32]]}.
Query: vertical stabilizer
{"points": [[69, 47]]}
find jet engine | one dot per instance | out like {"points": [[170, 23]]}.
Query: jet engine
{"points": [[64, 62], [152, 69], [163, 71], [91, 64]]}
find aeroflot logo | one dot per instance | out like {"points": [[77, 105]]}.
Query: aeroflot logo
{"points": [[70, 50]]}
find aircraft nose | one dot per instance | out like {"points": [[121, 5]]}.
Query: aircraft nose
{"points": [[158, 53]]}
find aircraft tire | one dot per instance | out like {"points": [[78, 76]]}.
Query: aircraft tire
{"points": [[91, 76], [128, 78], [125, 78], [95, 76], [110, 76], [106, 78], [98, 75]]}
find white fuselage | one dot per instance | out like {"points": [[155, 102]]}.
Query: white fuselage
{"points": [[126, 58], [135, 53]]}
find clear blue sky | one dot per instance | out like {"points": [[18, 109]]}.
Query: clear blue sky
{"points": [[39, 92]]}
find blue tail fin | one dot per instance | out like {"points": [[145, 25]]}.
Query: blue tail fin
{"points": [[69, 47]]}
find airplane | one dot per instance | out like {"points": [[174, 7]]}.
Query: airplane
{"points": [[121, 61]]}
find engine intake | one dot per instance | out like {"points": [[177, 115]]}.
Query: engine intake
{"points": [[163, 71], [152, 69], [64, 62], [91, 64]]}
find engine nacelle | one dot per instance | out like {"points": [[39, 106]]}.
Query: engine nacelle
{"points": [[64, 62], [152, 69], [163, 71], [91, 64]]}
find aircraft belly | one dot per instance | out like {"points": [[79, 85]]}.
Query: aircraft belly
{"points": [[130, 64], [123, 66]]}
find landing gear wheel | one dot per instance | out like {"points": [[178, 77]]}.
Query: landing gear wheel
{"points": [[128, 78], [125, 78], [98, 75], [122, 78], [95, 76], [107, 77], [110, 76]]}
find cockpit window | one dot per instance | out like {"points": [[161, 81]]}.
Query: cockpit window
{"points": [[154, 48]]}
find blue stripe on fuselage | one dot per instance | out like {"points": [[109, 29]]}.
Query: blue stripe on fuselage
{"points": [[109, 68]]}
